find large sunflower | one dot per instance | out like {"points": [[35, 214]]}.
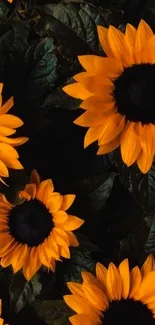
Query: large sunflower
{"points": [[114, 296], [8, 124], [118, 93], [38, 231]]}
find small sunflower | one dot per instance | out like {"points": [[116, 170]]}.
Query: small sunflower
{"points": [[8, 124], [1, 319], [118, 93], [39, 230], [115, 295]]}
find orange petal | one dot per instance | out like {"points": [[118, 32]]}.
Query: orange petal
{"points": [[6, 260], [52, 248], [60, 217], [7, 151], [109, 67], [67, 201], [144, 33], [12, 163], [78, 304], [54, 201], [86, 319], [10, 121], [72, 239], [135, 281], [31, 190], [109, 147], [95, 296], [32, 264], [118, 46], [96, 84], [90, 119], [103, 104], [77, 90], [6, 131], [44, 256], [114, 282], [103, 37], [15, 141], [147, 140], [18, 257], [44, 189], [6, 107], [125, 275], [64, 251], [112, 128], [89, 278], [146, 289], [75, 288], [130, 35], [60, 236], [3, 169], [93, 134], [149, 265], [101, 273], [72, 223], [130, 144], [35, 178]]}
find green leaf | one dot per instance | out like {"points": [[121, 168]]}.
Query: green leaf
{"points": [[149, 246], [141, 186], [23, 291], [54, 312]]}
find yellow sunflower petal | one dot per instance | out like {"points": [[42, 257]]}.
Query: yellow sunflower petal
{"points": [[32, 264], [6, 131], [19, 255], [2, 321], [30, 190], [101, 273], [135, 281], [90, 119], [72, 223], [96, 84], [87, 319], [12, 163], [104, 104], [3, 169], [67, 201], [72, 239], [10, 121], [103, 37], [64, 251], [146, 289], [7, 151], [1, 87], [6, 107], [130, 35], [78, 304], [44, 189], [118, 46], [15, 141], [114, 282], [43, 255], [144, 33], [108, 67], [54, 201], [60, 217], [60, 236], [6, 260], [125, 275], [75, 288], [112, 128], [149, 265], [130, 144], [77, 90], [35, 178], [93, 134], [109, 147], [89, 278], [147, 140], [95, 296], [52, 247]]}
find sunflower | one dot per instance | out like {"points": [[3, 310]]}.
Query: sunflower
{"points": [[1, 319], [39, 230], [114, 296], [8, 124], [118, 93]]}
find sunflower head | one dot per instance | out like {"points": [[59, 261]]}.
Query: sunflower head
{"points": [[118, 94], [8, 124], [39, 230], [114, 295]]}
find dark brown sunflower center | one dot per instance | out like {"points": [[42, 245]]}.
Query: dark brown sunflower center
{"points": [[30, 223], [128, 312], [135, 93]]}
